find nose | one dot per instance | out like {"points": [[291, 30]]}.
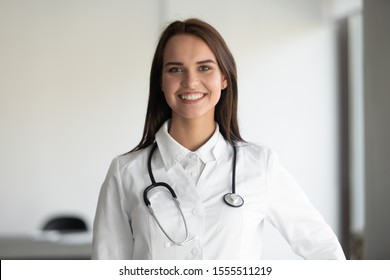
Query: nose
{"points": [[190, 80]]}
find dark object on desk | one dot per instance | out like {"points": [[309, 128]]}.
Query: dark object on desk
{"points": [[65, 224], [64, 237]]}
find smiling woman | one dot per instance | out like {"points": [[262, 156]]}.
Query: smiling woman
{"points": [[212, 43], [192, 83], [185, 165]]}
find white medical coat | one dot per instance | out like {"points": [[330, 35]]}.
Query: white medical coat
{"points": [[124, 228]]}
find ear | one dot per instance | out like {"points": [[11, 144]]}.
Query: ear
{"points": [[224, 83]]}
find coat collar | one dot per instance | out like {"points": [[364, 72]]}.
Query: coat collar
{"points": [[172, 152]]}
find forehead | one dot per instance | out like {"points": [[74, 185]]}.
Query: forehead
{"points": [[186, 47]]}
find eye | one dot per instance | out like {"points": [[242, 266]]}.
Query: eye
{"points": [[175, 69], [204, 68]]}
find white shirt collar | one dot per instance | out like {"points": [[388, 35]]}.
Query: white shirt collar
{"points": [[172, 152]]}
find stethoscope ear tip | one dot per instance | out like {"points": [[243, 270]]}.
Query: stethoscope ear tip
{"points": [[233, 199]]}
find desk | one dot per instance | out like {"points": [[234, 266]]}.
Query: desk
{"points": [[45, 246]]}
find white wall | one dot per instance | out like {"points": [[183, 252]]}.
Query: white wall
{"points": [[74, 82]]}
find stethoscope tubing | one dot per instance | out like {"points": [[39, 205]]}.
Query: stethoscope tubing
{"points": [[232, 199]]}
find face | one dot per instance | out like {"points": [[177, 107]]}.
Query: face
{"points": [[191, 79]]}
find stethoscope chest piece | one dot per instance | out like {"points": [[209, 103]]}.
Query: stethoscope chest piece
{"points": [[233, 199]]}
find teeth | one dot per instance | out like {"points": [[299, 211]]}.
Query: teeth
{"points": [[194, 96]]}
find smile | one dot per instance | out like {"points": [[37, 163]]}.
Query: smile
{"points": [[192, 96]]}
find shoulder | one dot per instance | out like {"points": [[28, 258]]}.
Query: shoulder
{"points": [[130, 160], [258, 157], [261, 157], [257, 151]]}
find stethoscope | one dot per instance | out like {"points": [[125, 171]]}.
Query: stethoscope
{"points": [[232, 199]]}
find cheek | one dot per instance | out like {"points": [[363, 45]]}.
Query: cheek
{"points": [[168, 83], [168, 97], [218, 83], [168, 90]]}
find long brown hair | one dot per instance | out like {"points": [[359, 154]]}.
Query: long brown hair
{"points": [[158, 110]]}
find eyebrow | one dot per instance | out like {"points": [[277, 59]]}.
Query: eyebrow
{"points": [[181, 64]]}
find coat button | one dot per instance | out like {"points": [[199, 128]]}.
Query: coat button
{"points": [[195, 251], [196, 212], [192, 156]]}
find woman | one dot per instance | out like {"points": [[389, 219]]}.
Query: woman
{"points": [[192, 147]]}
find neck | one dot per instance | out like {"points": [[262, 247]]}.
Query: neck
{"points": [[191, 133]]}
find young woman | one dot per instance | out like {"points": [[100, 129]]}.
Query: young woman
{"points": [[193, 188]]}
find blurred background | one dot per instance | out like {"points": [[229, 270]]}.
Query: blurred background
{"points": [[313, 85]]}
